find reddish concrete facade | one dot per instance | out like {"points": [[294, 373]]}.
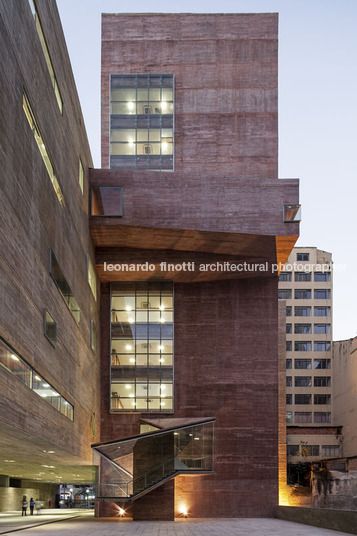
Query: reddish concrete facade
{"points": [[223, 201]]}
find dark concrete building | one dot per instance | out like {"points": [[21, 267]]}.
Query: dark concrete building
{"points": [[169, 365], [49, 378], [190, 143]]}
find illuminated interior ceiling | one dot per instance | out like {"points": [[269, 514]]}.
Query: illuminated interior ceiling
{"points": [[27, 457]]}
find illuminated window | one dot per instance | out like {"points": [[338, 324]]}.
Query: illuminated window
{"points": [[14, 364], [42, 147], [81, 176], [93, 336], [142, 347], [142, 121], [92, 277], [46, 53]]}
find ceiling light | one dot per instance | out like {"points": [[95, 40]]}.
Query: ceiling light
{"points": [[128, 308], [14, 357], [161, 347], [9, 461], [162, 360], [163, 105], [162, 320], [128, 347], [131, 320], [162, 307], [128, 386], [131, 395], [196, 438], [45, 385], [162, 403], [131, 105], [164, 145], [132, 360], [38, 378]]}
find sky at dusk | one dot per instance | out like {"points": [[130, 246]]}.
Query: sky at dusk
{"points": [[317, 113]]}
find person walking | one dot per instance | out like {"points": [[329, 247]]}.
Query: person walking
{"points": [[32, 506], [24, 506]]}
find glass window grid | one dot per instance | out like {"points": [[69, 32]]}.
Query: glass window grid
{"points": [[14, 364], [322, 276], [285, 276], [304, 329], [303, 381], [142, 366], [148, 118], [322, 329], [322, 381], [322, 346], [303, 416], [289, 416], [322, 399], [322, 294], [301, 399], [289, 398], [322, 311], [322, 416], [302, 346], [302, 310], [284, 294], [332, 451], [302, 294], [322, 363], [302, 276], [303, 256], [300, 364]]}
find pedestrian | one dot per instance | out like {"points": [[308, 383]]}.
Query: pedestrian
{"points": [[38, 506], [32, 505], [24, 506]]}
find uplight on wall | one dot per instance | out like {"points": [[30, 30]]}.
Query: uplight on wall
{"points": [[184, 511]]}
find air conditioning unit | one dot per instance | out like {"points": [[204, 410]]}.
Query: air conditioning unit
{"points": [[147, 109], [145, 305], [146, 345]]}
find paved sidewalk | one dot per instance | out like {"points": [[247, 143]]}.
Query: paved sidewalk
{"points": [[187, 527], [13, 521]]}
